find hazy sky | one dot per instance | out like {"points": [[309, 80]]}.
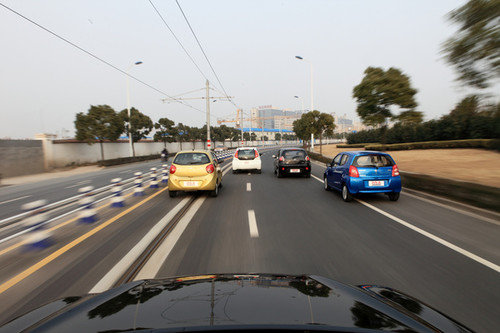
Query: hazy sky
{"points": [[44, 82]]}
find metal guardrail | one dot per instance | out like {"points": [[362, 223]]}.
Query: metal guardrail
{"points": [[66, 203]]}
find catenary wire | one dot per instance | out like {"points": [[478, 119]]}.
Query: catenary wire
{"points": [[177, 39], [204, 54], [98, 58]]}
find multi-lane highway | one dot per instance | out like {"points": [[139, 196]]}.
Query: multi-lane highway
{"points": [[446, 255]]}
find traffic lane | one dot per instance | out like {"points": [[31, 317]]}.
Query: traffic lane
{"points": [[303, 229], [472, 234], [76, 271], [54, 190]]}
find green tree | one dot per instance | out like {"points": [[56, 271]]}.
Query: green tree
{"points": [[165, 131], [410, 117], [181, 131], [221, 133], [140, 125], [314, 122], [302, 130], [277, 136], [474, 51], [100, 123], [379, 91]]}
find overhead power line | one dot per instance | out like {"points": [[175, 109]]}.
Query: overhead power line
{"points": [[204, 54], [177, 39], [98, 58]]}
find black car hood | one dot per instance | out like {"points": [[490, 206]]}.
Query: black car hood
{"points": [[237, 301]]}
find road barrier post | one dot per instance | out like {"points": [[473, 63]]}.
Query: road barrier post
{"points": [[88, 214], [139, 190], [154, 179], [116, 189], [39, 237], [164, 171]]}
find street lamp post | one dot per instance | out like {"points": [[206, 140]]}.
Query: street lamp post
{"points": [[312, 93], [131, 149], [302, 102]]}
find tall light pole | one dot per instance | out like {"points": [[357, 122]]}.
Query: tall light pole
{"points": [[312, 93], [131, 148]]}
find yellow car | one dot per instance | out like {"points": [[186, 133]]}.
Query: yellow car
{"points": [[195, 171]]}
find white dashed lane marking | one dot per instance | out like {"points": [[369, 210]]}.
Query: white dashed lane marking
{"points": [[252, 224], [249, 187]]}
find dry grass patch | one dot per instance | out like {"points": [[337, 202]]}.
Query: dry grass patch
{"points": [[470, 165]]}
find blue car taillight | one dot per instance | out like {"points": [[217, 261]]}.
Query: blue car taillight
{"points": [[395, 170], [353, 171]]}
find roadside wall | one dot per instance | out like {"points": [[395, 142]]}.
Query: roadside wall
{"points": [[61, 153], [21, 157]]}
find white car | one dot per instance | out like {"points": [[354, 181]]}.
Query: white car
{"points": [[247, 158]]}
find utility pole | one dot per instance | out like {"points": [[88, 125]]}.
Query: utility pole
{"points": [[207, 97], [250, 132], [241, 126], [208, 115]]}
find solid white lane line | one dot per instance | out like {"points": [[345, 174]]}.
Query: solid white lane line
{"points": [[252, 224], [119, 269], [125, 171], [441, 241], [153, 265], [249, 187], [434, 238], [7, 201], [450, 201], [317, 178], [249, 173], [458, 210]]}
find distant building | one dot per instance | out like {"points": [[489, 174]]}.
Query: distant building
{"points": [[268, 117]]}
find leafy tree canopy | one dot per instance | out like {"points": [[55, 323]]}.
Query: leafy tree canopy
{"points": [[100, 123], [165, 130], [474, 51], [379, 91], [141, 125]]}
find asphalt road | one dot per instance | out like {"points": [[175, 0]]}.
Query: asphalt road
{"points": [[436, 253]]}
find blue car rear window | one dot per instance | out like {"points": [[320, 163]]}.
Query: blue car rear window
{"points": [[372, 161]]}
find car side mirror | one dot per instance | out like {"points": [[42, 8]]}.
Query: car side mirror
{"points": [[261, 154], [328, 165]]}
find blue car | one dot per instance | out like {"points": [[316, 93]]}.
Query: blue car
{"points": [[353, 172]]}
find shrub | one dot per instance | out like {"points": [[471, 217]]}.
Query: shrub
{"points": [[355, 145], [472, 143]]}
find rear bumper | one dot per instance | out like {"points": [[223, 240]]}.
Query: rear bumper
{"points": [[255, 164], [287, 169], [207, 183], [359, 185]]}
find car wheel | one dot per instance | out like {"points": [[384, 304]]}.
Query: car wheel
{"points": [[308, 175], [325, 184], [259, 171], [346, 196], [235, 171], [172, 194], [279, 174], [215, 192], [394, 196]]}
